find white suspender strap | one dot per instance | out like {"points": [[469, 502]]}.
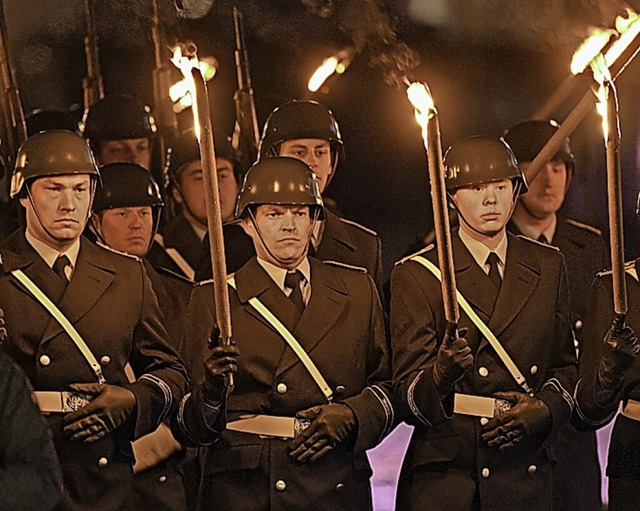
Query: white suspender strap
{"points": [[176, 257], [64, 322], [484, 329], [292, 342]]}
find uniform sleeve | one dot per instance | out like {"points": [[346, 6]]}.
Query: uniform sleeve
{"points": [[30, 476], [375, 406], [414, 344], [161, 376]]}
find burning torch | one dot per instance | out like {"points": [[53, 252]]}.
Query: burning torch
{"points": [[186, 59], [337, 64], [427, 116]]}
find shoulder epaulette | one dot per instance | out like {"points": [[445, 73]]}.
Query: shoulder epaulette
{"points": [[111, 249], [361, 227], [585, 227], [629, 267], [539, 243], [411, 256], [345, 265]]}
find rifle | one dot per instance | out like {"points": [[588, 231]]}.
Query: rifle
{"points": [[14, 123], [246, 134], [92, 85]]}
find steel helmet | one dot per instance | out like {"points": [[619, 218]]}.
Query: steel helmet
{"points": [[117, 117], [475, 160], [126, 185], [51, 153], [296, 120], [528, 138], [280, 180]]}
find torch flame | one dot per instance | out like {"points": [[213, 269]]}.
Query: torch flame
{"points": [[602, 75], [589, 49], [180, 92], [421, 99], [628, 28], [336, 64], [186, 64]]}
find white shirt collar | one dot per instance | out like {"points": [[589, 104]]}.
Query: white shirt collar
{"points": [[534, 234], [278, 274], [480, 251], [50, 254]]}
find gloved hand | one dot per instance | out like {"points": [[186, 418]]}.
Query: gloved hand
{"points": [[3, 329], [528, 418], [620, 352], [220, 362], [454, 358], [330, 425], [110, 408]]}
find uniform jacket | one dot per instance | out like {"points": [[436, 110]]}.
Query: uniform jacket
{"points": [[577, 472], [179, 234], [110, 302], [446, 456], [342, 330], [624, 448]]}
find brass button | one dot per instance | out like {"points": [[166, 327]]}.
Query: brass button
{"points": [[281, 485], [483, 371], [484, 421], [485, 473], [281, 388], [532, 470], [340, 389], [162, 479], [103, 462], [45, 360], [339, 486], [534, 370], [105, 360]]}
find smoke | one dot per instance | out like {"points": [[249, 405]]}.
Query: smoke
{"points": [[372, 30]]}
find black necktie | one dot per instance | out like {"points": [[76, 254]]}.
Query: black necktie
{"points": [[494, 274], [292, 281], [59, 265], [543, 239]]}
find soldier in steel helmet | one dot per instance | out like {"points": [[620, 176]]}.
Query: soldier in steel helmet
{"points": [[484, 422], [609, 377], [79, 316], [537, 215], [266, 459]]}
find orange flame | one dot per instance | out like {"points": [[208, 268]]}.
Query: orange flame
{"points": [[589, 49], [336, 64], [180, 92], [602, 75], [422, 101], [186, 64]]}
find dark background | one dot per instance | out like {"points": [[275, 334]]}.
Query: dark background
{"points": [[489, 64]]}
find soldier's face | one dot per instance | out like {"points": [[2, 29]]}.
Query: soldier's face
{"points": [[547, 191], [58, 209], [486, 207], [228, 188], [314, 152], [126, 150], [283, 230], [126, 229]]}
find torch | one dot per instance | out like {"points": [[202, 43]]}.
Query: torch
{"points": [[187, 60], [608, 108], [427, 116], [337, 64]]}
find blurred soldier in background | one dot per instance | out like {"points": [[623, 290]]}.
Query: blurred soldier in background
{"points": [[42, 120], [537, 216], [79, 318], [334, 314], [484, 423]]}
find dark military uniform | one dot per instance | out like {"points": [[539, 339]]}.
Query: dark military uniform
{"points": [[577, 471], [623, 468], [110, 302], [342, 330], [448, 466], [179, 234]]}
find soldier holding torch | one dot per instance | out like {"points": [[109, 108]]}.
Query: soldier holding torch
{"points": [[488, 400]]}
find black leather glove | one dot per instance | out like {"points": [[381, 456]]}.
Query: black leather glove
{"points": [[220, 362], [453, 360], [330, 425], [620, 351], [110, 408], [529, 418], [3, 328]]}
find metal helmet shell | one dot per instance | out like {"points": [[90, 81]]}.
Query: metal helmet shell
{"points": [[126, 185], [280, 180], [475, 160], [51, 153], [296, 120], [528, 138], [117, 117]]}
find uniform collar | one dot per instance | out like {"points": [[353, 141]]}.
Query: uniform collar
{"points": [[533, 233], [278, 274], [50, 254], [480, 251]]}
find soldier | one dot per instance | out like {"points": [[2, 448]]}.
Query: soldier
{"points": [[609, 375], [484, 420], [576, 476], [79, 316], [320, 362], [185, 235]]}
